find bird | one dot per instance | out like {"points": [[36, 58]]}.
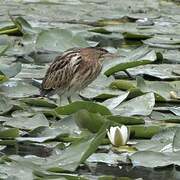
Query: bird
{"points": [[73, 71]]}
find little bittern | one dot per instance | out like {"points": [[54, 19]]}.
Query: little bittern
{"points": [[74, 70]]}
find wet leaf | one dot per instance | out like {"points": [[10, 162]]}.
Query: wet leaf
{"points": [[77, 153], [126, 120], [162, 89], [137, 57], [10, 71], [149, 159], [99, 89], [5, 105], [176, 142], [59, 40], [160, 71], [145, 106], [78, 105], [114, 102], [90, 121], [18, 89], [28, 123], [108, 158], [6, 133], [144, 131]]}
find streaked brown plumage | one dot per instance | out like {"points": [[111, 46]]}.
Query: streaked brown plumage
{"points": [[73, 71]]}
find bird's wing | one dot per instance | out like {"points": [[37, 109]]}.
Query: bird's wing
{"points": [[60, 73]]}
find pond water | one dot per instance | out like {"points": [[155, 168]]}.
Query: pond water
{"points": [[41, 139]]}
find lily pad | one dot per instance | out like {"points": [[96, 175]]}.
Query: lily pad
{"points": [[6, 133], [114, 102], [150, 159], [162, 89], [78, 105], [77, 153], [99, 89], [90, 121], [5, 105], [145, 106], [10, 71], [28, 123], [59, 40], [18, 89], [137, 57]]}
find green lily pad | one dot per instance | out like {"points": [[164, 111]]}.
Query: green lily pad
{"points": [[39, 102], [99, 89], [28, 123], [77, 153], [78, 105], [90, 121], [176, 142], [160, 71], [18, 89], [164, 41], [9, 133], [114, 102], [59, 40], [10, 71], [149, 159], [108, 158], [166, 117], [145, 106], [126, 120], [137, 57], [162, 89], [144, 131], [15, 171], [5, 105]]}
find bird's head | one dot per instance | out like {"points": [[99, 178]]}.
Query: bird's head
{"points": [[96, 53]]}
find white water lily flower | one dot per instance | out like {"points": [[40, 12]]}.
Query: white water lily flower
{"points": [[118, 136]]}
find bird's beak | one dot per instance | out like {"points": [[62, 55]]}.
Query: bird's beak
{"points": [[110, 55]]}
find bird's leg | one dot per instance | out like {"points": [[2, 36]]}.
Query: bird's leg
{"points": [[59, 100], [128, 74], [69, 99]]}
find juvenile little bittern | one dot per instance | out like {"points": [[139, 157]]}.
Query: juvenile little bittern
{"points": [[74, 70]]}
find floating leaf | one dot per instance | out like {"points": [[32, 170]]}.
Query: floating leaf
{"points": [[5, 105], [10, 71], [18, 89], [176, 141], [144, 131], [162, 89], [9, 133], [59, 40], [114, 102], [126, 120], [90, 121], [28, 123], [139, 56], [145, 106], [77, 153], [99, 89], [78, 105], [149, 159], [160, 71]]}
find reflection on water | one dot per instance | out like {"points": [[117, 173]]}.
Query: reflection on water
{"points": [[100, 169], [166, 173]]}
